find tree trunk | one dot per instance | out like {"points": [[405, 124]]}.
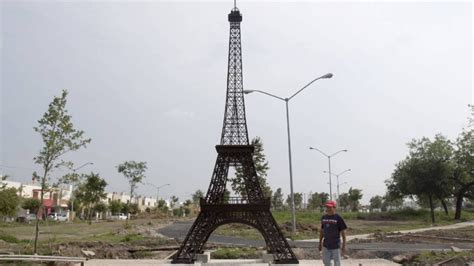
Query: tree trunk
{"points": [[40, 210], [89, 215], [460, 198], [445, 206], [129, 205], [431, 208]]}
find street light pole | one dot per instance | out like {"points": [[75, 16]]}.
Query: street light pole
{"points": [[292, 196], [73, 183], [286, 100], [329, 161], [158, 191], [337, 180]]}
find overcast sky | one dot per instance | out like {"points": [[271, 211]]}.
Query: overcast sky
{"points": [[147, 82]]}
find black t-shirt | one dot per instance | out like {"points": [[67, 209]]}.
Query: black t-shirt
{"points": [[332, 225]]}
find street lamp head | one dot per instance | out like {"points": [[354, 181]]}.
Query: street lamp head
{"points": [[327, 76], [344, 150], [248, 91]]}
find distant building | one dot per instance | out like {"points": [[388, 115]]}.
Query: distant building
{"points": [[57, 199], [143, 202]]}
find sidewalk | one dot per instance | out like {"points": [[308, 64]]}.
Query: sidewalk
{"points": [[442, 227], [357, 262]]}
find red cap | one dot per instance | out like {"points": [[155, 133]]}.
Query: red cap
{"points": [[330, 203]]}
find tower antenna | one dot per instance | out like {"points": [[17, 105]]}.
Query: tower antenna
{"points": [[235, 3]]}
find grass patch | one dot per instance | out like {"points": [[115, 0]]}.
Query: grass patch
{"points": [[236, 253], [8, 238], [432, 257], [142, 254], [240, 230], [131, 238]]}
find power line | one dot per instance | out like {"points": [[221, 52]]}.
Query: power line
{"points": [[16, 167]]}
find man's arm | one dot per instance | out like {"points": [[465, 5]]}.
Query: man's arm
{"points": [[321, 236], [343, 234]]}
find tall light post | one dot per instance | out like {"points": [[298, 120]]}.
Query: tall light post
{"points": [[329, 160], [157, 190], [74, 182], [286, 100], [337, 180]]}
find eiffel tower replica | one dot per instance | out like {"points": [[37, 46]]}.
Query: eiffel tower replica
{"points": [[234, 150]]}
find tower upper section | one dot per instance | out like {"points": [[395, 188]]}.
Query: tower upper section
{"points": [[234, 130]]}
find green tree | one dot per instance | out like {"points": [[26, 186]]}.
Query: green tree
{"points": [[173, 201], [134, 209], [463, 175], [392, 200], [277, 199], [9, 201], [101, 207], [261, 167], [134, 172], [355, 195], [162, 206], [31, 204], [3, 185], [187, 207], [298, 200], [314, 201], [59, 137], [344, 201], [376, 202], [115, 206], [425, 172], [91, 192], [226, 196], [196, 196], [324, 197]]}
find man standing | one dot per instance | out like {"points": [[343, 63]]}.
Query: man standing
{"points": [[332, 227]]}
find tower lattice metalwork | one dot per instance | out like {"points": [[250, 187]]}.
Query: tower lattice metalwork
{"points": [[234, 150]]}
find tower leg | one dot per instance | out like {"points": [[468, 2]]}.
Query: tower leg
{"points": [[195, 239], [277, 244], [263, 221]]}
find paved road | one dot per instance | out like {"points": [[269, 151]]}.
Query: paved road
{"points": [[179, 230]]}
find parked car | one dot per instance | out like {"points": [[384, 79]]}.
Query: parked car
{"points": [[31, 217], [27, 218], [63, 217], [60, 217], [118, 216]]}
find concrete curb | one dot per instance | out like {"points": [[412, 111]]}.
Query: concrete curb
{"points": [[350, 262]]}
